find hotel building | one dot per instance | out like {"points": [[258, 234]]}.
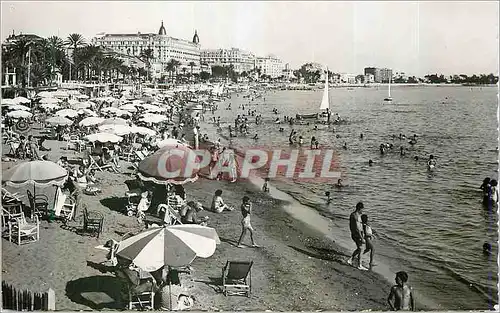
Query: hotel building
{"points": [[270, 65], [164, 48], [241, 60]]}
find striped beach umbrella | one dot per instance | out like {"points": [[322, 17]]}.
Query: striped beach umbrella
{"points": [[173, 246]]}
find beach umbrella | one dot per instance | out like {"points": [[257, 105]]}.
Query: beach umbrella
{"points": [[72, 102], [45, 94], [67, 113], [60, 94], [59, 120], [173, 164], [128, 107], [90, 121], [142, 130], [173, 246], [88, 112], [82, 105], [8, 102], [115, 111], [18, 107], [116, 129], [49, 106], [82, 97], [171, 142], [153, 118], [115, 121], [50, 100], [21, 100], [103, 137], [39, 173], [20, 114]]}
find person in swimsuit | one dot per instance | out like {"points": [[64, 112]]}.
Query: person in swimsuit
{"points": [[368, 237], [401, 296], [356, 227], [246, 210]]}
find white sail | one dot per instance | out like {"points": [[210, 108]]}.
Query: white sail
{"points": [[389, 96], [325, 102]]}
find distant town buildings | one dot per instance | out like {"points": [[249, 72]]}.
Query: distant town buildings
{"points": [[164, 48], [241, 60], [271, 66], [381, 75], [288, 72]]}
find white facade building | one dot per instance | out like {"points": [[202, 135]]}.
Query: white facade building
{"points": [[164, 48], [270, 65], [347, 78], [369, 79], [241, 60]]}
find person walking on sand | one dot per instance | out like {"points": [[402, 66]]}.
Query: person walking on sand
{"points": [[246, 210], [401, 295], [367, 230], [356, 228]]}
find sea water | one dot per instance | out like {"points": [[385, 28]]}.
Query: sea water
{"points": [[431, 224]]}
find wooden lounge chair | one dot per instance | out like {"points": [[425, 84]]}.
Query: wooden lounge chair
{"points": [[237, 278], [169, 215], [94, 165], [140, 287], [23, 232], [39, 204], [92, 222], [64, 206]]}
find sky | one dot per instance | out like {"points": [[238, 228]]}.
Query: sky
{"points": [[417, 38]]}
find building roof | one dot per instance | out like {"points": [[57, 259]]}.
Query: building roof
{"points": [[162, 30]]}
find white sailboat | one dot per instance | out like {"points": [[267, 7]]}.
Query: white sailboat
{"points": [[325, 102], [389, 98]]}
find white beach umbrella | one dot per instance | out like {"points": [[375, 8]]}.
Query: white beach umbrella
{"points": [[82, 97], [20, 107], [90, 121], [171, 142], [115, 111], [82, 105], [143, 130], [49, 106], [115, 120], [128, 107], [39, 173], [119, 130], [8, 102], [175, 245], [153, 118], [45, 94], [59, 120], [67, 113], [21, 100], [50, 100], [60, 94], [87, 112], [73, 101], [103, 137], [20, 114]]}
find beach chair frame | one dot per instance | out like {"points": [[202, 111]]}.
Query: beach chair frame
{"points": [[237, 278], [92, 222], [94, 165], [39, 204], [20, 229]]}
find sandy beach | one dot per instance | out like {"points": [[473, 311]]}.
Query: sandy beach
{"points": [[295, 268]]}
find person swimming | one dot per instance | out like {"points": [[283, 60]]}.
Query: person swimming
{"points": [[402, 151], [431, 163], [370, 162]]}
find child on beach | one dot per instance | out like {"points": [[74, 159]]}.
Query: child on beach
{"points": [[401, 296], [246, 210], [265, 187], [218, 204], [367, 230]]}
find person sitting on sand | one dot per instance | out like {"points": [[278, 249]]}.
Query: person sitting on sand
{"points": [[339, 184], [493, 194], [191, 216], [431, 163], [329, 198], [218, 204], [370, 162], [487, 249], [107, 159], [367, 230], [401, 295], [246, 210]]}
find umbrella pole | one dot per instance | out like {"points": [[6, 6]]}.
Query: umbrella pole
{"points": [[170, 288]]}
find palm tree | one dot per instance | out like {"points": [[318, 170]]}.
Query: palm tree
{"points": [[146, 56], [191, 65], [75, 41], [171, 67]]}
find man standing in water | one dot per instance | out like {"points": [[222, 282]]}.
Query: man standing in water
{"points": [[356, 227]]}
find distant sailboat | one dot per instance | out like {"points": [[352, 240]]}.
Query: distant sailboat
{"points": [[325, 102], [389, 98]]}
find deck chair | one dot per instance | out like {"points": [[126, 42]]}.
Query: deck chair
{"points": [[38, 203], [23, 232], [94, 165], [140, 291], [169, 215], [64, 206], [92, 222], [175, 202], [74, 142], [237, 278], [10, 213]]}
